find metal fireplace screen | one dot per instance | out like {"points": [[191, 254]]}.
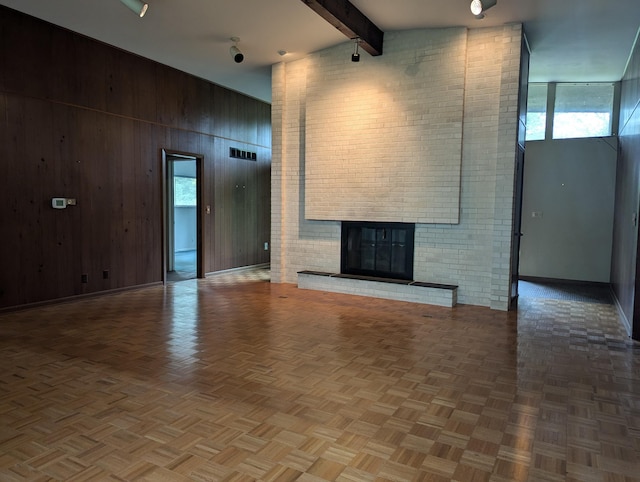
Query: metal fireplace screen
{"points": [[382, 250]]}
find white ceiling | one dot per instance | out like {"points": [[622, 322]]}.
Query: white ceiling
{"points": [[570, 40]]}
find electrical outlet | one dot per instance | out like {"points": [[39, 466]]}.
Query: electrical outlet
{"points": [[266, 246]]}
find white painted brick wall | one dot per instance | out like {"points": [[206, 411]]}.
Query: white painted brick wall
{"points": [[377, 147], [473, 254], [278, 125], [505, 167]]}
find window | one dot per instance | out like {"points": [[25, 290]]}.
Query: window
{"points": [[582, 110], [184, 191], [536, 112], [577, 110]]}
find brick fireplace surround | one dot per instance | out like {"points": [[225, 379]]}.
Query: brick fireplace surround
{"points": [[341, 129]]}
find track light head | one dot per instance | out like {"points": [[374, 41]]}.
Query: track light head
{"points": [[236, 55], [478, 7], [137, 6], [355, 57]]}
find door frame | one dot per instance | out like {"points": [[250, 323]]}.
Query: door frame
{"points": [[517, 230], [166, 158], [523, 94]]}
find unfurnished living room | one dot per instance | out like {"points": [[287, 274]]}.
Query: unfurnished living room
{"points": [[320, 240]]}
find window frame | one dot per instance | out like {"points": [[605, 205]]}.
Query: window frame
{"points": [[551, 101]]}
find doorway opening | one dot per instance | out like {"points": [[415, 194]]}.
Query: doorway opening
{"points": [[182, 191]]}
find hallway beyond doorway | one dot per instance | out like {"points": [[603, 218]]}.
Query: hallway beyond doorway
{"points": [[184, 266]]}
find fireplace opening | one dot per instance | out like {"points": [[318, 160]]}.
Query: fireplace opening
{"points": [[381, 250]]}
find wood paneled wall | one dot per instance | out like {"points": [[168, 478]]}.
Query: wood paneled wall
{"points": [[80, 119], [625, 263]]}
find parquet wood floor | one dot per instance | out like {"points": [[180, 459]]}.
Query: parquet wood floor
{"points": [[235, 379]]}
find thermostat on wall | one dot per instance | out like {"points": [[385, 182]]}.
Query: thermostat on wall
{"points": [[59, 202], [62, 202]]}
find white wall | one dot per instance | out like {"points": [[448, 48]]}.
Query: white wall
{"points": [[185, 228], [185, 217], [473, 253], [568, 205]]}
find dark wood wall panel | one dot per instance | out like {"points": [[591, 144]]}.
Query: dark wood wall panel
{"points": [[148, 197], [222, 208], [66, 175], [239, 215], [83, 120], [625, 269], [27, 58], [49, 62], [264, 127], [242, 225], [86, 86], [235, 116]]}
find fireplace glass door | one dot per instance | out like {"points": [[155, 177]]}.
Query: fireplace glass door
{"points": [[382, 250]]}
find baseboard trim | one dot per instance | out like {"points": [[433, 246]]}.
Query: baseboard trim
{"points": [[623, 317], [538, 279], [240, 268], [82, 296]]}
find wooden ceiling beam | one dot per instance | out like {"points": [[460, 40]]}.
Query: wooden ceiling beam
{"points": [[344, 16]]}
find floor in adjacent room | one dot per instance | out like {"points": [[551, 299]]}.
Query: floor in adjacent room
{"points": [[184, 264], [234, 378]]}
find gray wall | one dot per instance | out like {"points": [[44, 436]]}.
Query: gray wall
{"points": [[185, 219], [568, 205]]}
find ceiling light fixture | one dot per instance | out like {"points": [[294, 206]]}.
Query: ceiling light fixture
{"points": [[236, 55], [478, 7], [138, 6], [355, 57]]}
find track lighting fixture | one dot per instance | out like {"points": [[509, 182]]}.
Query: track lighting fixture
{"points": [[235, 51], [355, 57], [138, 6], [478, 7]]}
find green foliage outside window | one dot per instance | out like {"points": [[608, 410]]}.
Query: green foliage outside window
{"points": [[184, 191]]}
